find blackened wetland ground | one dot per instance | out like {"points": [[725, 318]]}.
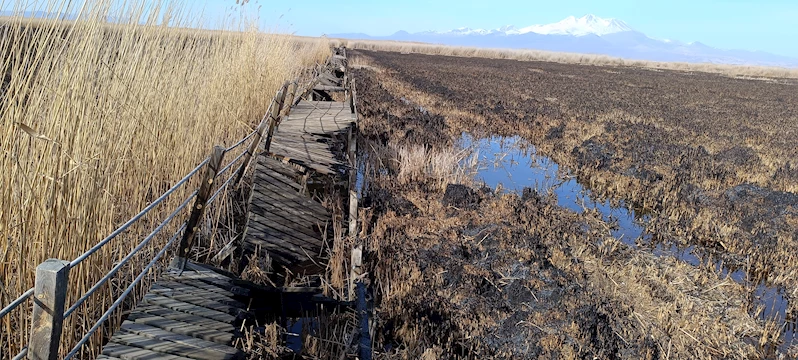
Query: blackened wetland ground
{"points": [[660, 221]]}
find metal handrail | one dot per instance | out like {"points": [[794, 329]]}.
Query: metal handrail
{"points": [[226, 183], [138, 216], [22, 354], [129, 256], [17, 302], [240, 142], [124, 294], [224, 169], [30, 292], [141, 245]]}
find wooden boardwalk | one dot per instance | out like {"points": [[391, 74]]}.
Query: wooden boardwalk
{"points": [[284, 221], [194, 314], [188, 315], [305, 137]]}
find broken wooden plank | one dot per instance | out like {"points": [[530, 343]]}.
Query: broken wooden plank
{"points": [[164, 335], [188, 308], [126, 352]]}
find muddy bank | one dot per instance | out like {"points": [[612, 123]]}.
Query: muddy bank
{"points": [[680, 145], [464, 272], [709, 159]]}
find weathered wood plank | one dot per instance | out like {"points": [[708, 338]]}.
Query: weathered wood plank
{"points": [[280, 147], [188, 308], [167, 347], [222, 289], [288, 234], [168, 289], [300, 136], [163, 335], [179, 330], [292, 198], [264, 212], [171, 314], [266, 233], [317, 215], [203, 302], [324, 152], [324, 169], [277, 180], [219, 281], [266, 197], [285, 169], [269, 243], [50, 288], [279, 222], [126, 352]]}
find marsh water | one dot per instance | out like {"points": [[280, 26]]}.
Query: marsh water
{"points": [[512, 164]]}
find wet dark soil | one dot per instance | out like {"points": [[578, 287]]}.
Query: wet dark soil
{"points": [[475, 267]]}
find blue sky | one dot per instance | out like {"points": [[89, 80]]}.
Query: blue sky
{"points": [[766, 25]]}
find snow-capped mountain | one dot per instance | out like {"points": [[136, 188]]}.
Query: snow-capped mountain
{"points": [[588, 34], [586, 25]]}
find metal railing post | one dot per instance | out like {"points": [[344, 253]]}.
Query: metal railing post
{"points": [[199, 205], [49, 298]]}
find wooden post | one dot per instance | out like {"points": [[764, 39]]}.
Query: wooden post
{"points": [[352, 213], [253, 147], [363, 315], [354, 273], [357, 250], [52, 277], [352, 98], [274, 118], [199, 205], [289, 101], [352, 154]]}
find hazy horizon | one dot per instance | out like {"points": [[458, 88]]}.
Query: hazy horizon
{"points": [[736, 24]]}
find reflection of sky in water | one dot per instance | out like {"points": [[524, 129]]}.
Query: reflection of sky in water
{"points": [[514, 163]]}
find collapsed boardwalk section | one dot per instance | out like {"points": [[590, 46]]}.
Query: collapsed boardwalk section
{"points": [[189, 314], [285, 222], [196, 313]]}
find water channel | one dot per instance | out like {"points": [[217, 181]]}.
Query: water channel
{"points": [[513, 164]]}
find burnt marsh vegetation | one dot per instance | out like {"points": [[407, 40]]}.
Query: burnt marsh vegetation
{"points": [[472, 272]]}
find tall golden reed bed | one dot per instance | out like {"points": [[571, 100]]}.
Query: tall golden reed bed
{"points": [[99, 118]]}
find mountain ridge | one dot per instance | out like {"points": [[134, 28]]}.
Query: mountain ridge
{"points": [[589, 34]]}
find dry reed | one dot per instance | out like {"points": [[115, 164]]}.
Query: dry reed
{"points": [[101, 118]]}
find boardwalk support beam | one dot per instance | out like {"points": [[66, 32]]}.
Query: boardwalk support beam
{"points": [[199, 205], [52, 277]]}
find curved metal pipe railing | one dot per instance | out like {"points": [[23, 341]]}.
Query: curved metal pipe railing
{"points": [[161, 226], [129, 256], [138, 216], [124, 294]]}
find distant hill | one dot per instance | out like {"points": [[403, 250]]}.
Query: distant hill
{"points": [[590, 35]]}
